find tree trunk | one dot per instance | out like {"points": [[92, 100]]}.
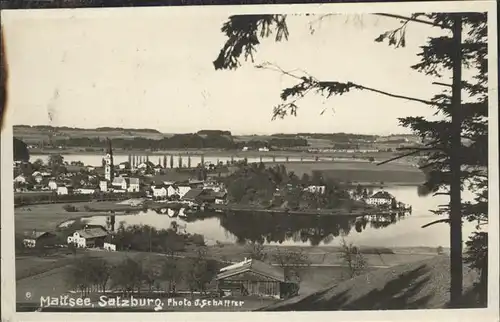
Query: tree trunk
{"points": [[456, 268]]}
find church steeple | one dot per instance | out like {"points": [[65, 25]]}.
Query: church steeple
{"points": [[108, 162]]}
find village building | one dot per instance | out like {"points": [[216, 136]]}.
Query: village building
{"points": [[319, 189], [39, 239], [380, 198], [103, 185], [124, 165], [251, 278], [85, 191], [89, 237], [182, 189], [158, 168], [63, 190], [119, 183], [20, 179], [214, 185], [52, 185], [192, 195], [196, 184], [133, 184], [220, 197], [159, 191], [38, 178], [108, 163]]}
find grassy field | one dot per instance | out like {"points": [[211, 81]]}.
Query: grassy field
{"points": [[417, 285], [46, 276], [33, 135], [47, 217]]}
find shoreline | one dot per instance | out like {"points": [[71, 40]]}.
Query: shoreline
{"points": [[217, 152]]}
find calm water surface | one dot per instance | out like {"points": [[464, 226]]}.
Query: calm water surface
{"points": [[315, 230]]}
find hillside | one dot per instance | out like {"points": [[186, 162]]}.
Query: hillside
{"points": [[37, 133], [419, 285]]}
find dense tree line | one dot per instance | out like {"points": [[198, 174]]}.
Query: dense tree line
{"points": [[149, 239], [254, 184], [69, 128], [21, 152], [213, 132], [135, 275], [180, 141]]}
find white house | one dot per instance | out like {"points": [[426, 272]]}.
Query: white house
{"points": [[109, 247], [380, 198], [245, 148], [88, 237], [20, 179], [316, 189], [124, 165], [62, 190], [171, 189], [52, 185], [85, 191], [220, 197], [103, 185], [33, 238], [142, 166], [133, 184], [215, 186], [159, 191], [119, 183], [183, 189]]}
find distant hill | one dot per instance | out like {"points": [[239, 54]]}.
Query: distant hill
{"points": [[213, 132], [37, 133]]}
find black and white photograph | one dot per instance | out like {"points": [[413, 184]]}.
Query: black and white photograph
{"points": [[252, 159]]}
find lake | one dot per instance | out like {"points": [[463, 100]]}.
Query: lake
{"points": [[96, 160], [404, 231]]}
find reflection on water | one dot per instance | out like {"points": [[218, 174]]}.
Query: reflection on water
{"points": [[282, 229]]}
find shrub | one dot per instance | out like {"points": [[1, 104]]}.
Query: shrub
{"points": [[70, 208], [198, 240]]}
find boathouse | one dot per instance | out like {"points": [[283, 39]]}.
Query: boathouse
{"points": [[251, 278]]}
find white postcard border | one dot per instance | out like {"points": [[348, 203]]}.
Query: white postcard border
{"points": [[7, 196]]}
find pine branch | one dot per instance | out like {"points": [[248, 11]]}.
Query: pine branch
{"points": [[398, 96], [436, 222], [413, 19]]}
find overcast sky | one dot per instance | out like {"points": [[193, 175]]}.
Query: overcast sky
{"points": [[139, 69]]}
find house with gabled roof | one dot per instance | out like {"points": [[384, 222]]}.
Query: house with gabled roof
{"points": [[251, 277], [89, 237], [380, 198], [39, 238], [192, 195]]}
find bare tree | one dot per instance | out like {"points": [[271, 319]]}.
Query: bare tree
{"points": [[256, 251], [293, 261], [352, 258]]}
